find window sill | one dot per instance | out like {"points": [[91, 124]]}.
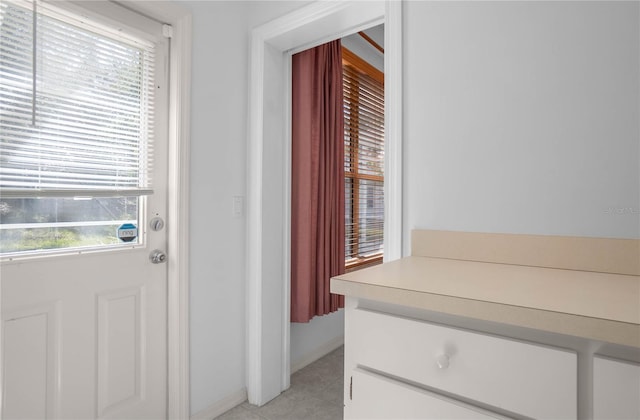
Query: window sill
{"points": [[360, 263]]}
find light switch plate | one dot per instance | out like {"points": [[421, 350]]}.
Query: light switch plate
{"points": [[238, 205]]}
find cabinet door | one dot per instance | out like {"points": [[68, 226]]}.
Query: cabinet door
{"points": [[377, 397], [616, 389]]}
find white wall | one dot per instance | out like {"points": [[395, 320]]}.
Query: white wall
{"points": [[316, 338], [218, 172], [519, 117], [522, 117]]}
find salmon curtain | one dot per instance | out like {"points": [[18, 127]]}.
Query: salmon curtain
{"points": [[317, 186]]}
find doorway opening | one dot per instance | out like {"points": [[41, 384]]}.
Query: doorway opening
{"points": [[363, 139], [268, 221]]}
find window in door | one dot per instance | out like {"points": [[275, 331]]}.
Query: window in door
{"points": [[363, 88], [76, 130]]}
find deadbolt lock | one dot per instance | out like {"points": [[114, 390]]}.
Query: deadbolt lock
{"points": [[156, 224]]}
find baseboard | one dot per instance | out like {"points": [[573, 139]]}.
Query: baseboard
{"points": [[222, 406], [318, 353]]}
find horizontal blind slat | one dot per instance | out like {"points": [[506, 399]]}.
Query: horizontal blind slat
{"points": [[34, 193], [94, 105]]}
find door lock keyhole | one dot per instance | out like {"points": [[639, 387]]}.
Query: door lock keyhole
{"points": [[156, 224]]}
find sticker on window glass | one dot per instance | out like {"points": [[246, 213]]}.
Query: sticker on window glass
{"points": [[127, 232]]}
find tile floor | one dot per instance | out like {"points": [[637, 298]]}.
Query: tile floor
{"points": [[315, 394]]}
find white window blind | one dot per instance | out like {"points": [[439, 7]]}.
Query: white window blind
{"points": [[76, 106], [363, 89]]}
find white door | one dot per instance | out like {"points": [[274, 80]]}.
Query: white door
{"points": [[84, 326]]}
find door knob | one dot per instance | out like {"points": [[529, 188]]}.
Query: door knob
{"points": [[442, 361], [157, 256]]}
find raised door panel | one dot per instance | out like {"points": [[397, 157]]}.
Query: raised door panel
{"points": [[616, 389], [30, 363], [378, 397], [120, 350]]}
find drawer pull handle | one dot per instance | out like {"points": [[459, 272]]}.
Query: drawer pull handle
{"points": [[442, 361]]}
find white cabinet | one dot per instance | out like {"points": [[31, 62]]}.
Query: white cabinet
{"points": [[379, 397], [502, 375], [522, 326], [616, 389]]}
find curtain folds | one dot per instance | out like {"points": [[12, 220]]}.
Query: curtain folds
{"points": [[317, 173]]}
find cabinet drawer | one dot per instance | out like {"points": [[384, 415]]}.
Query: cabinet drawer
{"points": [[378, 397], [616, 389], [518, 377]]}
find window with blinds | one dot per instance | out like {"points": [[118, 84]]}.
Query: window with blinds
{"points": [[363, 88], [76, 129]]}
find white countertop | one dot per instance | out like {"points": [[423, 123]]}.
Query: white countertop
{"points": [[591, 305]]}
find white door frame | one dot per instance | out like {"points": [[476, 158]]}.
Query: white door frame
{"points": [[178, 393], [271, 43], [178, 200]]}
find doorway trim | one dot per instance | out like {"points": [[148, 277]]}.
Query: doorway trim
{"points": [[304, 28], [178, 308]]}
